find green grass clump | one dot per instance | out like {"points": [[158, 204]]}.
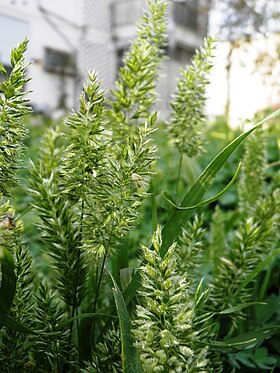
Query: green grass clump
{"points": [[202, 294]]}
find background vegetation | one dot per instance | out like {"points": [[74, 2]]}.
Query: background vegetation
{"points": [[112, 198]]}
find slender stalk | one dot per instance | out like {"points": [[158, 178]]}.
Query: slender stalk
{"points": [[74, 307], [264, 284], [179, 174], [99, 283], [228, 77], [154, 208], [99, 280], [273, 164], [101, 272], [73, 312]]}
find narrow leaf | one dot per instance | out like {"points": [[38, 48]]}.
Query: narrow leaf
{"points": [[243, 341], [239, 307], [254, 336], [17, 326], [85, 316], [130, 357], [12, 324], [201, 295], [207, 201]]}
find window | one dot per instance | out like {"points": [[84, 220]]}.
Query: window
{"points": [[186, 15], [120, 56], [183, 54], [126, 12], [59, 62]]}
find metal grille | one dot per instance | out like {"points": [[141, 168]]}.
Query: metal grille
{"points": [[125, 12], [96, 49]]}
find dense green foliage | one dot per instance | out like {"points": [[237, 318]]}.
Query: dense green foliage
{"points": [[203, 295]]}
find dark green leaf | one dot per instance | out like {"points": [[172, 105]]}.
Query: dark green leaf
{"points": [[85, 316], [12, 324], [8, 283], [252, 338], [244, 341]]}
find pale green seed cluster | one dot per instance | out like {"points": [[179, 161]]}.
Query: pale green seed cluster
{"points": [[187, 114], [251, 185], [164, 328]]}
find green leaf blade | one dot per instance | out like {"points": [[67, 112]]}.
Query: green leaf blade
{"points": [[130, 355], [252, 338], [207, 201], [239, 307], [17, 326]]}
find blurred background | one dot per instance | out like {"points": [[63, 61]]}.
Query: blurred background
{"points": [[68, 37]]}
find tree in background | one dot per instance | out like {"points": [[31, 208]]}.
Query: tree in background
{"points": [[242, 21]]}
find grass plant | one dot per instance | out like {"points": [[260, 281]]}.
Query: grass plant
{"points": [[200, 296]]}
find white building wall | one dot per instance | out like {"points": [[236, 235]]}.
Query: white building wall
{"points": [[16, 30], [250, 89], [42, 32], [92, 33]]}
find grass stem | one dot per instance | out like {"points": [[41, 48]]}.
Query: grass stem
{"points": [[179, 175]]}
